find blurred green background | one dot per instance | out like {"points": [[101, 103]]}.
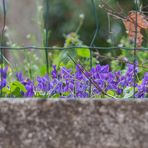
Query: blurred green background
{"points": [[64, 17], [70, 23], [67, 15]]}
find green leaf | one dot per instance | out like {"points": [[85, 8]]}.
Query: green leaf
{"points": [[12, 87], [17, 92], [66, 94], [5, 91], [63, 57], [83, 52], [56, 96], [16, 88], [111, 92], [43, 70], [19, 85], [40, 95], [140, 82], [128, 92]]}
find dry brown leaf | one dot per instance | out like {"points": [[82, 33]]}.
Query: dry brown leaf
{"points": [[132, 27]]}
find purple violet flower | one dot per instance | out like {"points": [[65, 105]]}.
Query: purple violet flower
{"points": [[29, 85], [143, 88], [79, 74], [3, 72], [30, 89], [44, 83], [54, 72], [3, 83], [3, 76], [19, 76]]}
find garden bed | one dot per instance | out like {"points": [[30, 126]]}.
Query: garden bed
{"points": [[85, 123]]}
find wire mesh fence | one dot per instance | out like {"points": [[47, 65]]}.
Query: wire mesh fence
{"points": [[92, 48]]}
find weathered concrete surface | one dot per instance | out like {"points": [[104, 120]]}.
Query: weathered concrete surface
{"points": [[73, 124]]}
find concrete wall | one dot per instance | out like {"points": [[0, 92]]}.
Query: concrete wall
{"points": [[73, 124]]}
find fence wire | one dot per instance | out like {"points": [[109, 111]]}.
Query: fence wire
{"points": [[91, 47]]}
